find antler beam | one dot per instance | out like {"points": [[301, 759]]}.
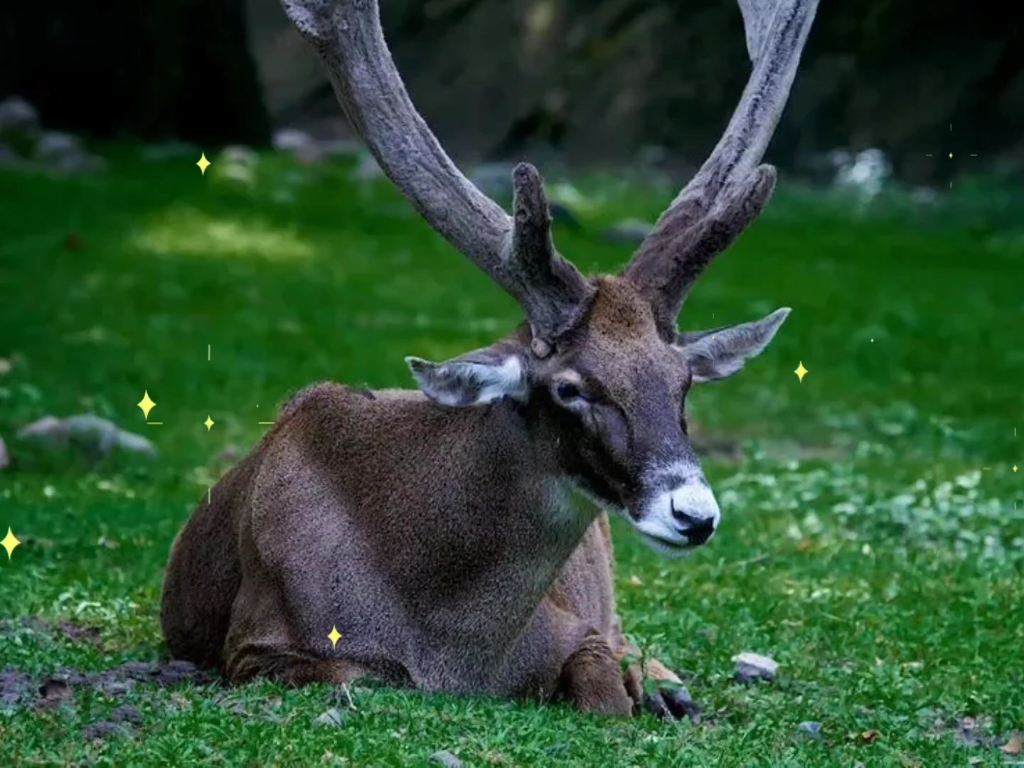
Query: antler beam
{"points": [[517, 254], [730, 190]]}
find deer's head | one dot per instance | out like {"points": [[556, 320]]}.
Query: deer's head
{"points": [[598, 366]]}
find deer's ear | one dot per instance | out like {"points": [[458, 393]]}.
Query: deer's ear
{"points": [[478, 377], [723, 351]]}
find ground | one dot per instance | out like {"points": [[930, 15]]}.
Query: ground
{"points": [[873, 532]]}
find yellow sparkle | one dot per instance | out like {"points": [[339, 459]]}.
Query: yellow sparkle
{"points": [[1014, 467], [146, 405], [203, 164], [209, 423], [801, 372], [950, 155], [334, 637], [9, 542]]}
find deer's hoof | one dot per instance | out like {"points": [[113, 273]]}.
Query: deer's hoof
{"points": [[672, 703]]}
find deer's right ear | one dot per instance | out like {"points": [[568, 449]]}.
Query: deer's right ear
{"points": [[478, 377]]}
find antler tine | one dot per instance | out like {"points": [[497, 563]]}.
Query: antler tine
{"points": [[730, 190], [348, 37]]}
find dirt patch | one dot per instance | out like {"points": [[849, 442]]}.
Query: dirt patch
{"points": [[19, 689]]}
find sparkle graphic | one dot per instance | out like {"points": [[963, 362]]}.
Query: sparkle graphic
{"points": [[9, 542], [203, 164], [929, 154], [334, 637], [209, 423], [801, 372], [146, 405]]}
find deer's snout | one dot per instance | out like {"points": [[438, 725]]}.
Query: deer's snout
{"points": [[683, 515]]}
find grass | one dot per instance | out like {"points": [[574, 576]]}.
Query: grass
{"points": [[873, 540]]}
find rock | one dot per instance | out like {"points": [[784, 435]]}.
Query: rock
{"points": [[19, 123], [237, 163], [331, 718], [445, 758], [291, 139], [754, 666], [127, 713], [101, 730], [55, 144], [5, 457], [811, 728], [627, 231], [64, 152], [95, 436]]}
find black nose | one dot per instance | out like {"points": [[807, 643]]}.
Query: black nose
{"points": [[697, 530]]}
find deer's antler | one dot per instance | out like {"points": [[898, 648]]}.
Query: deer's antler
{"points": [[730, 189], [517, 253]]}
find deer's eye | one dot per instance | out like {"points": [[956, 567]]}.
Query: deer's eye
{"points": [[567, 392]]}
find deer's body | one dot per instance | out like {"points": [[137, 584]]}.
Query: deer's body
{"points": [[434, 530], [467, 603]]}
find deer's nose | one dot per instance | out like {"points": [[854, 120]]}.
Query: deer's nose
{"points": [[694, 511], [696, 529]]}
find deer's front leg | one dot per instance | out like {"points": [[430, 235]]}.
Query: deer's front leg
{"points": [[592, 679]]}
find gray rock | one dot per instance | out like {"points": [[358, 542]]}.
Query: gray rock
{"points": [[627, 231], [811, 728], [19, 120], [446, 758], [754, 666], [54, 145], [127, 713], [101, 730], [331, 718], [5, 457], [95, 436], [291, 139]]}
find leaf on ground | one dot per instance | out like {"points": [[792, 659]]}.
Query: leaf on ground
{"points": [[869, 736], [1014, 746]]}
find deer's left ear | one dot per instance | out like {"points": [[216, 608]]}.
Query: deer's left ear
{"points": [[721, 352], [478, 377]]}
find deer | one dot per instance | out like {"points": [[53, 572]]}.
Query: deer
{"points": [[431, 538]]}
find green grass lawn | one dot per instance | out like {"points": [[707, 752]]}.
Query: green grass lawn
{"points": [[873, 533]]}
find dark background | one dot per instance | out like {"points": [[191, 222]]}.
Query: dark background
{"points": [[594, 80]]}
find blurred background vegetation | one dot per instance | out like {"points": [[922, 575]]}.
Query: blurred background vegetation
{"points": [[594, 81]]}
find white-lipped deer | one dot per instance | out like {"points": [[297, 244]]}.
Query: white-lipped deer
{"points": [[434, 528]]}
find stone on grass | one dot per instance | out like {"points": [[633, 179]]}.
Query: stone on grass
{"points": [[331, 718], [811, 728], [5, 457], [93, 435], [19, 122], [127, 713], [754, 666], [445, 758]]}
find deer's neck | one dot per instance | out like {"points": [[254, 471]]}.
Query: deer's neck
{"points": [[507, 526]]}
